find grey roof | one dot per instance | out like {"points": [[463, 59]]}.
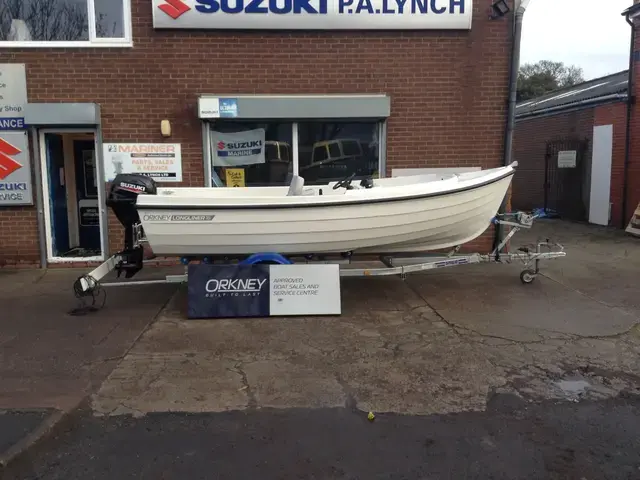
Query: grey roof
{"points": [[632, 10], [583, 95]]}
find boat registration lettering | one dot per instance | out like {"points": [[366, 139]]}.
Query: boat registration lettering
{"points": [[177, 218]]}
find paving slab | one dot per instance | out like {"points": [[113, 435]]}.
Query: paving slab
{"points": [[171, 382], [490, 300]]}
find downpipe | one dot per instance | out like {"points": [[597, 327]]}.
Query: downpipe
{"points": [[630, 102], [511, 110]]}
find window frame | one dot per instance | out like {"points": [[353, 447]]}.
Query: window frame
{"points": [[207, 126], [93, 42]]}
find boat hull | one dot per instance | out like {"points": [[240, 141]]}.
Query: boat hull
{"points": [[411, 225]]}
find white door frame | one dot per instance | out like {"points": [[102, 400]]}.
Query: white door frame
{"points": [[46, 195]]}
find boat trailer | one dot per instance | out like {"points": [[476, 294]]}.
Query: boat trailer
{"points": [[90, 285]]}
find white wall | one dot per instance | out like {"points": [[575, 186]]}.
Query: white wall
{"points": [[600, 192]]}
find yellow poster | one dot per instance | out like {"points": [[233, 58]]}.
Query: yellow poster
{"points": [[235, 177]]}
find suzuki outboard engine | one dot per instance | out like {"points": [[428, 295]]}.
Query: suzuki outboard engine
{"points": [[122, 198]]}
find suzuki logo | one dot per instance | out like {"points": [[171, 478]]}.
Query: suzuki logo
{"points": [[174, 8], [7, 164], [220, 145]]}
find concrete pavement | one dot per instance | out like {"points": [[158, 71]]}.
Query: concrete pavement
{"points": [[51, 360], [436, 343], [440, 347]]}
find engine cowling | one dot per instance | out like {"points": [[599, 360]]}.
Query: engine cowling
{"points": [[122, 198], [123, 194]]}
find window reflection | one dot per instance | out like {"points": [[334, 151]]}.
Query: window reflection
{"points": [[245, 165], [331, 151], [109, 18], [43, 20], [59, 20]]}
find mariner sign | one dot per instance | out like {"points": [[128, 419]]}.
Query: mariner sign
{"points": [[160, 161], [314, 14], [230, 291]]}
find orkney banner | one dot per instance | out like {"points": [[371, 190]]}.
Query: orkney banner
{"points": [[238, 149], [230, 291]]}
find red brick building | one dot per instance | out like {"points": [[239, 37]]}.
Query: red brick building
{"points": [[427, 88], [578, 148], [583, 126]]}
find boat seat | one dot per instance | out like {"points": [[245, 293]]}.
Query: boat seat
{"points": [[296, 187]]}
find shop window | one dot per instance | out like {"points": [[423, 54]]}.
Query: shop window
{"points": [[331, 151], [65, 22], [251, 154]]}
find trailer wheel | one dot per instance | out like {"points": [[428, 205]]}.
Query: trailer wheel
{"points": [[527, 276]]}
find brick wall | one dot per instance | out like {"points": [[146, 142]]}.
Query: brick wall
{"points": [[615, 114], [530, 140], [448, 90]]}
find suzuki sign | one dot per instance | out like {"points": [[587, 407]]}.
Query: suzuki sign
{"points": [[15, 170], [314, 14]]}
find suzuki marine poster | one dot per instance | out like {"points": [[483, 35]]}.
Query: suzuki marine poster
{"points": [[238, 149]]}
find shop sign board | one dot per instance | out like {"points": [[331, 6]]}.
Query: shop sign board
{"points": [[160, 161], [567, 158], [230, 291], [89, 212], [16, 186], [313, 14], [213, 107], [13, 96]]}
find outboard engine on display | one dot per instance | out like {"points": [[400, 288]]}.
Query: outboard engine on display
{"points": [[122, 198]]}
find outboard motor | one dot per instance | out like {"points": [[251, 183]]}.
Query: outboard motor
{"points": [[122, 197]]}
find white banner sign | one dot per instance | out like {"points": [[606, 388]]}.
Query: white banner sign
{"points": [[304, 290], [13, 96], [238, 149], [314, 14], [160, 161]]}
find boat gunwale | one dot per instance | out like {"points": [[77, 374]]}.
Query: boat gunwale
{"points": [[343, 203]]}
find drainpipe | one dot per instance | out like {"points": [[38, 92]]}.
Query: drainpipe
{"points": [[521, 6], [630, 102]]}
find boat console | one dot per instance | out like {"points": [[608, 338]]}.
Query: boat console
{"points": [[122, 197]]}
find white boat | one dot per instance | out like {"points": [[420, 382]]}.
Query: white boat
{"points": [[389, 215]]}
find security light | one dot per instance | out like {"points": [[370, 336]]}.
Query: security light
{"points": [[499, 9]]}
